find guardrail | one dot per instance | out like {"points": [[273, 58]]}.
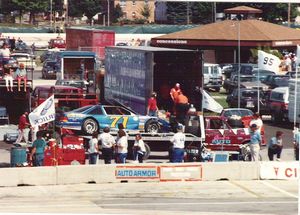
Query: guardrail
{"points": [[112, 173]]}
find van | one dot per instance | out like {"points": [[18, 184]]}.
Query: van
{"points": [[212, 75], [278, 104]]}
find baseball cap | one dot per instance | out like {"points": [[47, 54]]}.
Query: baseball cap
{"points": [[253, 126]]}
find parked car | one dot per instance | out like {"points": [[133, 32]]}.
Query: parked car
{"points": [[48, 70], [245, 69], [212, 76], [292, 74], [57, 43], [48, 54], [25, 58], [274, 81], [240, 112], [82, 84], [93, 118], [278, 104], [262, 73], [248, 99], [230, 84]]}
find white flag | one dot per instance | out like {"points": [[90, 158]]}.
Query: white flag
{"points": [[210, 104], [44, 113], [268, 61]]}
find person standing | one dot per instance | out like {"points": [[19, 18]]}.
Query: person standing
{"points": [[174, 92], [8, 77], [255, 140], [5, 54], [23, 130], [182, 106], [178, 141], [122, 144], [38, 149], [139, 149], [21, 74], [258, 122], [152, 108], [93, 149], [296, 144], [275, 146], [107, 143]]}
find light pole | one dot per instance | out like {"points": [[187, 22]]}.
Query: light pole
{"points": [[108, 12], [51, 14], [239, 62]]}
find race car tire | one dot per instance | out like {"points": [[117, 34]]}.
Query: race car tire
{"points": [[152, 127], [90, 126], [148, 151]]}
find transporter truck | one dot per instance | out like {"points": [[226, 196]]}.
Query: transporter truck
{"points": [[294, 101], [133, 73]]}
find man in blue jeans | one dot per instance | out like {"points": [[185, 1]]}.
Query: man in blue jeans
{"points": [[178, 141], [38, 149]]}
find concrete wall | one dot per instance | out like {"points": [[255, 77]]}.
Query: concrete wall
{"points": [[139, 172]]}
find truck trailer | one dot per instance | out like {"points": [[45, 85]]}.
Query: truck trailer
{"points": [[95, 40], [294, 101], [133, 73]]}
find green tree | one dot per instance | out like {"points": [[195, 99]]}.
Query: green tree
{"points": [[267, 49], [117, 13], [31, 6], [89, 8], [146, 11], [201, 13]]}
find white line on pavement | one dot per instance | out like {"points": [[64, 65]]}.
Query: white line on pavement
{"points": [[280, 190]]}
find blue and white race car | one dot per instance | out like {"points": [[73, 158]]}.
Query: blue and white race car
{"points": [[93, 118]]}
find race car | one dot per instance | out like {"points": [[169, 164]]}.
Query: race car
{"points": [[94, 118]]}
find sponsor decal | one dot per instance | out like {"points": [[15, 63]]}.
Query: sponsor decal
{"points": [[172, 41], [279, 170], [137, 172], [181, 173]]}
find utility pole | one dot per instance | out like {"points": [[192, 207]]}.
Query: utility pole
{"points": [[108, 12], [188, 13], [289, 14], [51, 11]]}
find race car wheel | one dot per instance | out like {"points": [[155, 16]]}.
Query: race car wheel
{"points": [[152, 127], [90, 126], [147, 154]]}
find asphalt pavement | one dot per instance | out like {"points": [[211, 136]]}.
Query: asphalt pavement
{"points": [[205, 197]]}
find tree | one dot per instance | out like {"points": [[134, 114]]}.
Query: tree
{"points": [[89, 8], [146, 11], [201, 13], [117, 13], [31, 6]]}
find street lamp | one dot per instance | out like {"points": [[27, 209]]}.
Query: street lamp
{"points": [[108, 12], [239, 63]]}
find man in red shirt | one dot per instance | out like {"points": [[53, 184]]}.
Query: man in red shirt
{"points": [[152, 108], [23, 130]]}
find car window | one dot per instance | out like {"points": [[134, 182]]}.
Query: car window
{"points": [[245, 113], [276, 96], [116, 111], [206, 70], [249, 94], [82, 109], [216, 124], [96, 111]]}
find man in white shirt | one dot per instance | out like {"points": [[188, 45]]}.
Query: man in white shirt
{"points": [[5, 54], [139, 148], [107, 143], [178, 141], [257, 121]]}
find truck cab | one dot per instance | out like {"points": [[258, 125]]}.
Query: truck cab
{"points": [[212, 76]]}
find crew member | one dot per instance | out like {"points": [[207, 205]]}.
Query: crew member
{"points": [[107, 143], [122, 144], [23, 130], [152, 108], [182, 107], [174, 92], [258, 122], [296, 144], [38, 150], [275, 146], [255, 140], [139, 149], [178, 141], [93, 149]]}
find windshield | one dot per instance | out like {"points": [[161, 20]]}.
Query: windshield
{"points": [[242, 113], [247, 79], [82, 109], [281, 81]]}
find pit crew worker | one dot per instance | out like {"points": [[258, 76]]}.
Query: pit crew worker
{"points": [[275, 146], [139, 149], [107, 144], [122, 144], [152, 108], [258, 122], [182, 107], [178, 141], [38, 150], [255, 140], [93, 149], [23, 128], [296, 144]]}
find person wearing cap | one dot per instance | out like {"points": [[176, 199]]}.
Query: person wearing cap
{"points": [[107, 144], [21, 75], [152, 108], [255, 140], [178, 141], [257, 121], [275, 146]]}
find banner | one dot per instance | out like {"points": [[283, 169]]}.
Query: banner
{"points": [[210, 104], [268, 62], [43, 113], [279, 170]]}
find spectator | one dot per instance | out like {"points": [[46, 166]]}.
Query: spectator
{"points": [[21, 75], [182, 107], [23, 128], [139, 149], [5, 54], [296, 143], [178, 141], [152, 108], [38, 150], [122, 144], [93, 149], [275, 146], [255, 140], [107, 143], [8, 77]]}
